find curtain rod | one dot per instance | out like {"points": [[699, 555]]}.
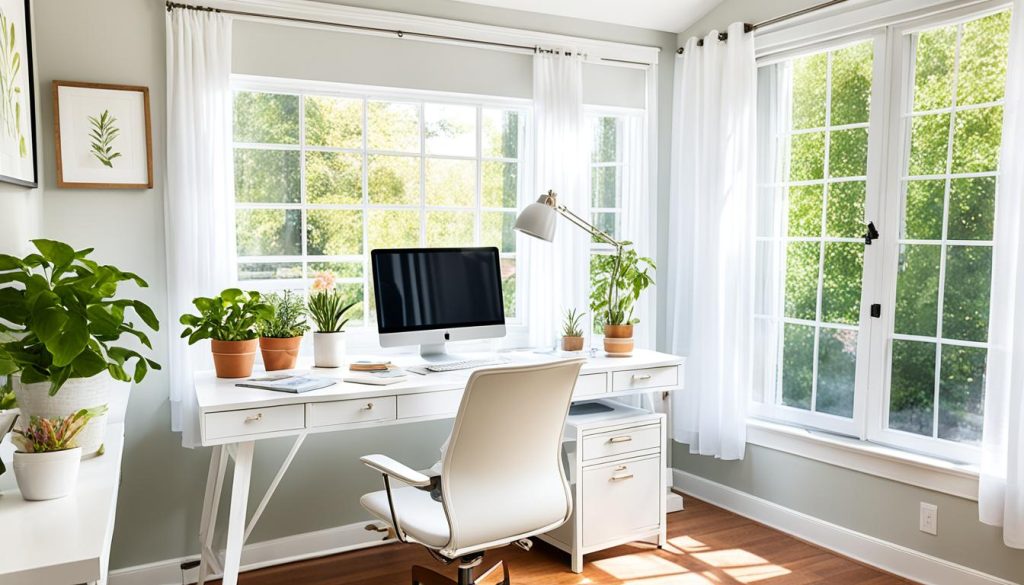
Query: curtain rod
{"points": [[747, 28]]}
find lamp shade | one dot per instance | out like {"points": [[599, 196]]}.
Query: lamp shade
{"points": [[538, 220]]}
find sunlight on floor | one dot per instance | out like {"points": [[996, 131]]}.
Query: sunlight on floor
{"points": [[741, 565], [639, 566]]}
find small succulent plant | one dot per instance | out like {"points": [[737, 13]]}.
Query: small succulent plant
{"points": [[43, 435]]}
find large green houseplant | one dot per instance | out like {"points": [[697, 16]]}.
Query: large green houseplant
{"points": [[62, 326], [618, 281], [231, 322]]}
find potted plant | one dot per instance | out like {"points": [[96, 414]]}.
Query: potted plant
{"points": [[8, 412], [281, 332], [60, 319], [572, 331], [328, 308], [47, 457], [230, 321], [620, 279]]}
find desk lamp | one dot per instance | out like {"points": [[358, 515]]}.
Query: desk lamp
{"points": [[539, 220]]}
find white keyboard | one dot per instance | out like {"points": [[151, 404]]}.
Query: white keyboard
{"points": [[466, 364]]}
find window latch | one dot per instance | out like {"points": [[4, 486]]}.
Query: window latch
{"points": [[872, 234], [876, 310]]}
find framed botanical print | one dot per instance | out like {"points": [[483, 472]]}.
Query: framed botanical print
{"points": [[103, 135], [17, 96]]}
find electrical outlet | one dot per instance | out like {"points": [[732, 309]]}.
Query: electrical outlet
{"points": [[929, 518]]}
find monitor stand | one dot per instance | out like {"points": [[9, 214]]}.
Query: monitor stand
{"points": [[437, 353]]}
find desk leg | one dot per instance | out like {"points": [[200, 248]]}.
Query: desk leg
{"points": [[211, 502], [236, 514]]}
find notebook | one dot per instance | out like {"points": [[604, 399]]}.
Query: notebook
{"points": [[287, 383]]}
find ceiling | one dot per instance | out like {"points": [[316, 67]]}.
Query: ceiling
{"points": [[667, 15]]}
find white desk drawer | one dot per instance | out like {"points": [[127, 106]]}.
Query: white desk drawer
{"points": [[591, 384], [645, 378], [429, 404], [621, 441], [340, 412], [254, 421], [621, 498]]}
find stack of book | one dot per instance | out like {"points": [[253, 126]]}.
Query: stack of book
{"points": [[377, 373]]}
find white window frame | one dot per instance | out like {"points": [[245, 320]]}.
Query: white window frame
{"points": [[364, 338]]}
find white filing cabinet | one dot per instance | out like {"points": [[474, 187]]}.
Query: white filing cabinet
{"points": [[615, 462]]}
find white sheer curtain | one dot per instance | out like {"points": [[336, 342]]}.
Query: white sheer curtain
{"points": [[199, 214], [711, 242], [557, 272], [637, 217], [1001, 487]]}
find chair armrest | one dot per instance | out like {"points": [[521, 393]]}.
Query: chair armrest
{"points": [[389, 466]]}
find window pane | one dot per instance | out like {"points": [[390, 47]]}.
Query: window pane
{"points": [[797, 365], [976, 140], [451, 183], [848, 153], [501, 184], [807, 157], [805, 210], [334, 232], [336, 122], [508, 285], [393, 180], [841, 286], [269, 270], [972, 204], [966, 301], [267, 118], [266, 176], [851, 84], [933, 69], [962, 393], [929, 140], [449, 228], [917, 290], [809, 91], [334, 177], [393, 229], [604, 186], [912, 392], [983, 50], [604, 136], [845, 211], [496, 230], [500, 137], [338, 269], [922, 218], [393, 126], [802, 280], [837, 370], [606, 222], [352, 292], [450, 129], [268, 232]]}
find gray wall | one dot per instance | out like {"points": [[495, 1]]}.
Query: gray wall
{"points": [[861, 502], [122, 41]]}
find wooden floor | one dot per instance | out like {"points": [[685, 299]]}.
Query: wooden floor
{"points": [[707, 546]]}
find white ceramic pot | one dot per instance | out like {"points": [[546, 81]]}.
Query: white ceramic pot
{"points": [[329, 349], [47, 476], [76, 394]]}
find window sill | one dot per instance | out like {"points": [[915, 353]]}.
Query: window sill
{"points": [[878, 460]]}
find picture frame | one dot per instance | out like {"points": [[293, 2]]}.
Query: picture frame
{"points": [[103, 134], [18, 150]]}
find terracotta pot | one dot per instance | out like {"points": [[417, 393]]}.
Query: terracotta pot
{"points": [[572, 343], [619, 331], [618, 347], [233, 359], [279, 353]]}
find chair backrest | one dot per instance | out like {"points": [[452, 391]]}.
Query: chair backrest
{"points": [[502, 477]]}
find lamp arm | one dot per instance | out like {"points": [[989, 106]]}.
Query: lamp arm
{"points": [[587, 226]]}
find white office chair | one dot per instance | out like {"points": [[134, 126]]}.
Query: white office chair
{"points": [[502, 479]]}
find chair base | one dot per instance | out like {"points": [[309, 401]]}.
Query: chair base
{"points": [[496, 575]]}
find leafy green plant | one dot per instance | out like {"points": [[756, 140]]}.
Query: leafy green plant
{"points": [[572, 325], [627, 275], [45, 435], [7, 399], [233, 315], [59, 318], [287, 317], [328, 309], [103, 133], [10, 91]]}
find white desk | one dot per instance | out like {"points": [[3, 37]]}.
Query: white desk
{"points": [[67, 540], [232, 419]]}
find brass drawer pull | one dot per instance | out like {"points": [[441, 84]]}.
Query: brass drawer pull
{"points": [[622, 477], [622, 439], [254, 417], [641, 377]]}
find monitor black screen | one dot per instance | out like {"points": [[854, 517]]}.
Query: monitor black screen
{"points": [[437, 288]]}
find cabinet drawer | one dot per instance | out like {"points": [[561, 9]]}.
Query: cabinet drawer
{"points": [[645, 378], [621, 498], [621, 441], [340, 412], [429, 404], [254, 421], [591, 384]]}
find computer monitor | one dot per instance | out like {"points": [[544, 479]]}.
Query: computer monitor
{"points": [[429, 296]]}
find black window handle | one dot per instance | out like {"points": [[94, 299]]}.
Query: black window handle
{"points": [[872, 234]]}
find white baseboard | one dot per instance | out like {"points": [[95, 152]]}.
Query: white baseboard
{"points": [[258, 555], [894, 558]]}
